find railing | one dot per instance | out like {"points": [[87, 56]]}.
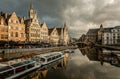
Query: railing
{"points": [[16, 53], [31, 49]]}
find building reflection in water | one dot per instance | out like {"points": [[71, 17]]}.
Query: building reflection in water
{"points": [[80, 67], [102, 55]]}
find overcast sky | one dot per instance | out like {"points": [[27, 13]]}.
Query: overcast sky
{"points": [[79, 15]]}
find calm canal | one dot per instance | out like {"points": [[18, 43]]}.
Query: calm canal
{"points": [[80, 67]]}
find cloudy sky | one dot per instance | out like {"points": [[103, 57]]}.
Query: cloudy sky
{"points": [[79, 15]]}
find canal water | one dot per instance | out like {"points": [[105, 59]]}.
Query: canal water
{"points": [[80, 67]]}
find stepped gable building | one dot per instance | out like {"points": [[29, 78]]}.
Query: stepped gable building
{"points": [[53, 36], [33, 28], [3, 28], [36, 32], [44, 33], [65, 35], [12, 27], [61, 35]]}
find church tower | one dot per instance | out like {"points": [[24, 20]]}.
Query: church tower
{"points": [[31, 12]]}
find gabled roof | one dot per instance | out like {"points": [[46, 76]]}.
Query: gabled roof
{"points": [[50, 30], [7, 16], [117, 27], [16, 16], [59, 30], [4, 15], [93, 30], [107, 29], [27, 22], [43, 24]]}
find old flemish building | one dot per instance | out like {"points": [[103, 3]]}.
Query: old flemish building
{"points": [[92, 35], [95, 35], [60, 33], [63, 35], [32, 27], [105, 36], [53, 36], [44, 33], [3, 29], [12, 27], [16, 28]]}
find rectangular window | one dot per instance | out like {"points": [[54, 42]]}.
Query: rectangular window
{"points": [[6, 36], [2, 36], [11, 34], [16, 34]]}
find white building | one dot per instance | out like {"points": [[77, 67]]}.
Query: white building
{"points": [[111, 36]]}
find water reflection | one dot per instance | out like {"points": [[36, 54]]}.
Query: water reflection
{"points": [[81, 67], [102, 55]]}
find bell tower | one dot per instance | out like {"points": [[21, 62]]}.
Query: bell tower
{"points": [[31, 12]]}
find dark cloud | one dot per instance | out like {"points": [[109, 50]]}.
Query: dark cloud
{"points": [[78, 14], [50, 11]]}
